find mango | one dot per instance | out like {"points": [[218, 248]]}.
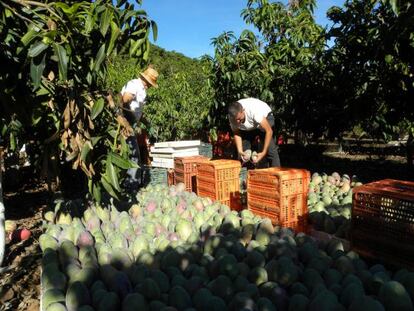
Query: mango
{"points": [[46, 241], [77, 296], [51, 296]]}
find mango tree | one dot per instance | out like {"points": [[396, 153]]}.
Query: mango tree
{"points": [[53, 57], [371, 65], [266, 65], [179, 108], [56, 57]]}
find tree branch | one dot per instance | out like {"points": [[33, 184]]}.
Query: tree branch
{"points": [[14, 12], [28, 3]]}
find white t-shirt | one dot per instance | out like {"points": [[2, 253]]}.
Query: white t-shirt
{"points": [[136, 88], [255, 110]]}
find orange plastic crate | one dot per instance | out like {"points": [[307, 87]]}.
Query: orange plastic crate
{"points": [[219, 170], [185, 169], [382, 223], [279, 194], [219, 180]]}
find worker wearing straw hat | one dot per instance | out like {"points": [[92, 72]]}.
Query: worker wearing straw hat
{"points": [[134, 94]]}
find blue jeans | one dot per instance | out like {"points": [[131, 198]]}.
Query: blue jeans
{"points": [[248, 141]]}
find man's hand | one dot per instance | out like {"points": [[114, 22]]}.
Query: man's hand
{"points": [[256, 159], [245, 155], [127, 98]]}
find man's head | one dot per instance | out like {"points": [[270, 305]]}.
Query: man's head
{"points": [[149, 77], [236, 113]]}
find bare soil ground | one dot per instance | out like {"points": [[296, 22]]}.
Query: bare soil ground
{"points": [[20, 285]]}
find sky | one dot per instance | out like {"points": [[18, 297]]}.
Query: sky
{"points": [[187, 26]]}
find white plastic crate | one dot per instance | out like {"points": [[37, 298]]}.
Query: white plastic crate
{"points": [[178, 144]]}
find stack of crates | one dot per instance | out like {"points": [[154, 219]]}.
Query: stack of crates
{"points": [[382, 223], [280, 194], [185, 171], [219, 180]]}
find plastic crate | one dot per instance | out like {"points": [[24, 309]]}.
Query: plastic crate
{"points": [[219, 180], [206, 149], [153, 175], [281, 195], [218, 170], [382, 223], [185, 170]]}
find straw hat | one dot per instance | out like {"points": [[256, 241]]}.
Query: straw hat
{"points": [[150, 75]]}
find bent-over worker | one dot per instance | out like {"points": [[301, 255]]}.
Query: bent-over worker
{"points": [[249, 118]]}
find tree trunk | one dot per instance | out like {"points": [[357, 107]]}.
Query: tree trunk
{"points": [[2, 210]]}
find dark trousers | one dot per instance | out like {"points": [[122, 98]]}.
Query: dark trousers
{"points": [[133, 176], [249, 141]]}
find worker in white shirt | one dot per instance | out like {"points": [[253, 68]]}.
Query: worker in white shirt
{"points": [[249, 118], [134, 95]]}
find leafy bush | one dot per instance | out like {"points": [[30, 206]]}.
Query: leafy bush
{"points": [[179, 108]]}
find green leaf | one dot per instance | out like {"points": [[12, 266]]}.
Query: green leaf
{"points": [[36, 70], [114, 36], [120, 3], [100, 56], [37, 48], [147, 50], [154, 30], [68, 10], [95, 140], [29, 36], [42, 91], [89, 23], [135, 45], [97, 108], [395, 6], [113, 133], [112, 174], [36, 121], [121, 162], [108, 187], [3, 130], [12, 142], [86, 148], [388, 58], [106, 18], [63, 59], [127, 16], [8, 13], [95, 190]]}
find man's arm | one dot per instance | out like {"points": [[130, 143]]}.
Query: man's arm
{"points": [[239, 146], [238, 141], [127, 98], [268, 137]]}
